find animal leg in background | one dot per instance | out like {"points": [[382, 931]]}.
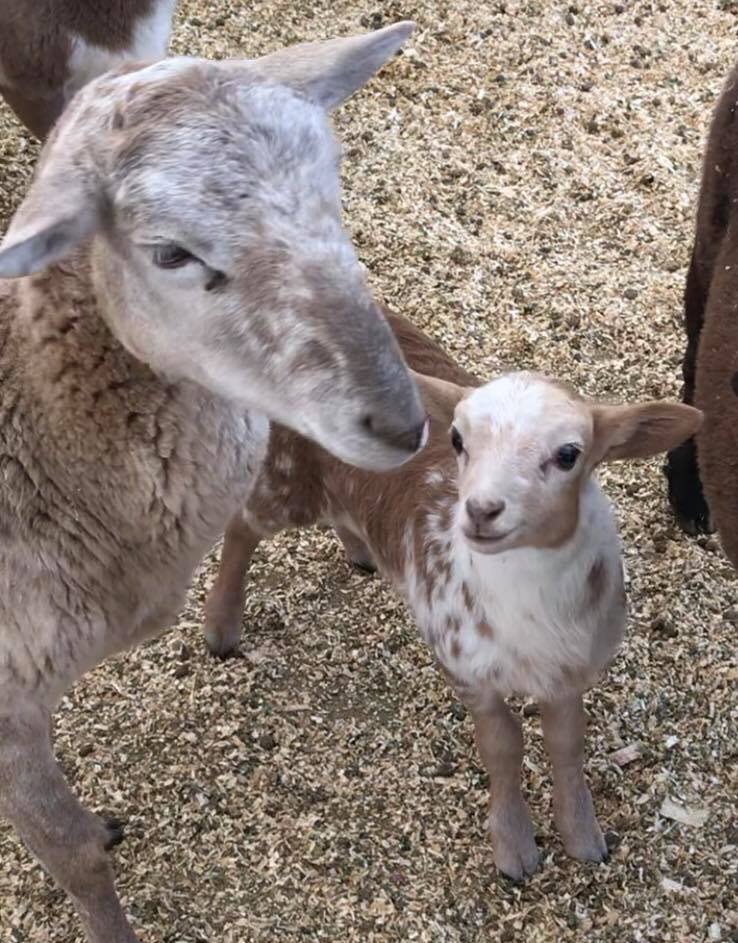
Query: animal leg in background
{"points": [[357, 552], [225, 602]]}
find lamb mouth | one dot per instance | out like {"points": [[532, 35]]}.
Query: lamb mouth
{"points": [[489, 541]]}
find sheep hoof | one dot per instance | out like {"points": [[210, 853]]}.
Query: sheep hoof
{"points": [[115, 830], [686, 496], [695, 525], [515, 851]]}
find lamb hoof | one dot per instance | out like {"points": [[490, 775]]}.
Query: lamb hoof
{"points": [[222, 629], [222, 644], [517, 863], [363, 567], [579, 828], [588, 846], [515, 850]]}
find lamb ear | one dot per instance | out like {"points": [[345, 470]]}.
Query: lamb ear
{"points": [[642, 430], [60, 211], [440, 397], [329, 72]]}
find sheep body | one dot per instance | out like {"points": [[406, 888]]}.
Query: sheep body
{"points": [[138, 361], [540, 620], [114, 485], [703, 472], [541, 617]]}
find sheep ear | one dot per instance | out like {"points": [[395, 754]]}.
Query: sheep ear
{"points": [[49, 239], [329, 72], [642, 430], [60, 211]]}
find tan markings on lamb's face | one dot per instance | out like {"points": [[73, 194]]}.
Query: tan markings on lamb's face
{"points": [[466, 595], [455, 648], [522, 442]]}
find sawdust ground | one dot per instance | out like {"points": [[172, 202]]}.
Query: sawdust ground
{"points": [[521, 182]]}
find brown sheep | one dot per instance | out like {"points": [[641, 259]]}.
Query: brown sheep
{"points": [[711, 359], [49, 49]]}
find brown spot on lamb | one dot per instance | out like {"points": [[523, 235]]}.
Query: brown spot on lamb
{"points": [[597, 580]]}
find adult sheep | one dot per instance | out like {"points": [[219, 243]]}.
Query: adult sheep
{"points": [[711, 360], [180, 272]]}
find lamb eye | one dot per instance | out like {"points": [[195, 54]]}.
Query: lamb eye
{"points": [[566, 457], [456, 441], [169, 255]]}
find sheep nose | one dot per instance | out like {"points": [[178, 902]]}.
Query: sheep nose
{"points": [[482, 512], [408, 440]]}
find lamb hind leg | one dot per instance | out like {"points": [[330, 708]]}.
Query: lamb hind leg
{"points": [[564, 723], [225, 602], [500, 743], [357, 551], [70, 842]]}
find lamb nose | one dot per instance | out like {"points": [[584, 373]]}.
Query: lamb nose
{"points": [[482, 512]]}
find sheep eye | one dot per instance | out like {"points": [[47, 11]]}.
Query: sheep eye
{"points": [[169, 256], [566, 457], [456, 441]]}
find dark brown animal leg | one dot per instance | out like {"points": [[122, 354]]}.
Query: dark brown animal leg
{"points": [[225, 602], [717, 396], [37, 114], [69, 841], [682, 472]]}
